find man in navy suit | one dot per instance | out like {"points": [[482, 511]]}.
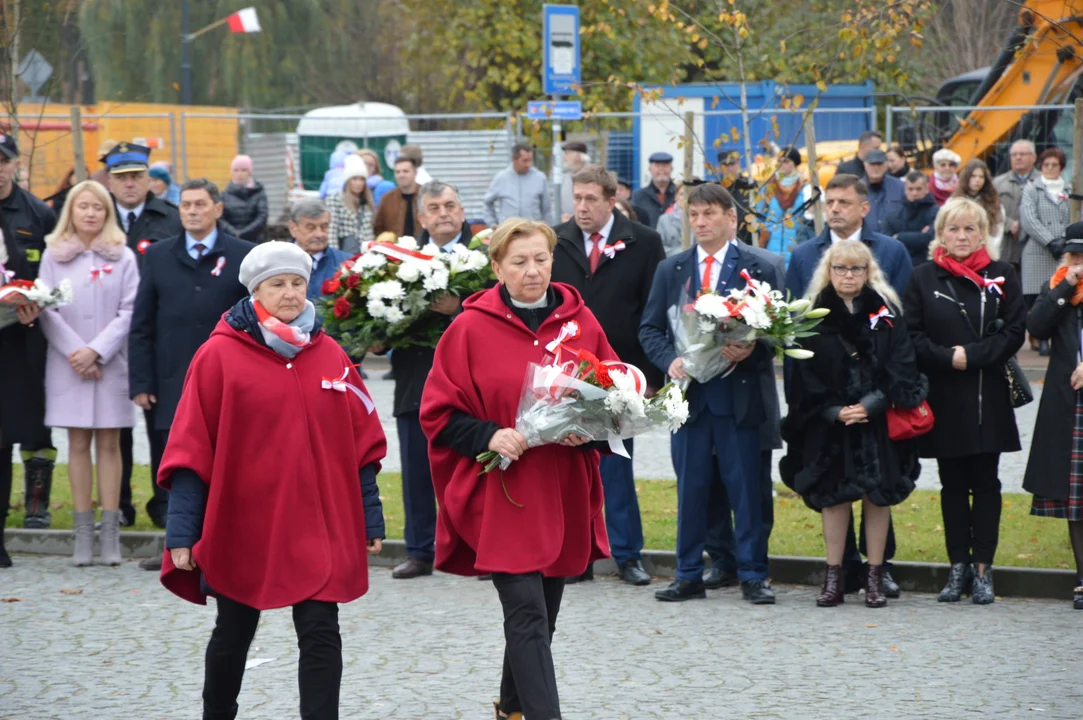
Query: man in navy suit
{"points": [[723, 430], [185, 285], [847, 204]]}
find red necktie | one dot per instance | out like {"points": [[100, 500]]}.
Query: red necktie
{"points": [[595, 251], [706, 284]]}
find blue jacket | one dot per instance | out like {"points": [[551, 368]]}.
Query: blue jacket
{"points": [[742, 387], [885, 199], [907, 224], [892, 256], [323, 269]]}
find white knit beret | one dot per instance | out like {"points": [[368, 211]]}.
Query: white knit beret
{"points": [[274, 258]]}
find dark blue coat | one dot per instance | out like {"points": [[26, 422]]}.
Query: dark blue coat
{"points": [[159, 221], [891, 255], [908, 222], [884, 200], [674, 275], [324, 269], [178, 305]]}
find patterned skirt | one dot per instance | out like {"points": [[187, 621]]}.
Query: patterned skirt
{"points": [[1072, 508]]}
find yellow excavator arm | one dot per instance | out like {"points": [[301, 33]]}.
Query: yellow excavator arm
{"points": [[1040, 66]]}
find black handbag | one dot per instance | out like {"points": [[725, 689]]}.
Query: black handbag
{"points": [[1018, 385]]}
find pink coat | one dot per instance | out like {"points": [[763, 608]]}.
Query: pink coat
{"points": [[99, 318]]}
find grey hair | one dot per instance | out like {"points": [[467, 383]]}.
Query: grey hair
{"points": [[1029, 144], [203, 184], [310, 208], [434, 189]]}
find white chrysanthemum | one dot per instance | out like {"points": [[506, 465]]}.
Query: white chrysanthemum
{"points": [[407, 242], [437, 280], [377, 308], [394, 314], [431, 249], [408, 272], [712, 306], [623, 399], [755, 315], [415, 302], [387, 290], [369, 261], [676, 409]]}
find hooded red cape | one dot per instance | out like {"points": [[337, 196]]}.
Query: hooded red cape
{"points": [[281, 456], [480, 365]]}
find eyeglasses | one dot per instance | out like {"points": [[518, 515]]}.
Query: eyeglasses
{"points": [[844, 270]]}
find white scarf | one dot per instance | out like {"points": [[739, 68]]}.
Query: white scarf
{"points": [[1055, 188]]}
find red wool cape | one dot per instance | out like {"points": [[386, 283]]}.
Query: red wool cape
{"points": [[281, 456], [480, 365]]}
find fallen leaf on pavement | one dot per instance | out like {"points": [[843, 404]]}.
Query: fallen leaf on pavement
{"points": [[71, 592], [11, 600]]}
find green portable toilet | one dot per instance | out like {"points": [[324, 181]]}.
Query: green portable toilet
{"points": [[378, 126]]}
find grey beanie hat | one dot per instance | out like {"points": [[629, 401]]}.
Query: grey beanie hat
{"points": [[274, 258]]}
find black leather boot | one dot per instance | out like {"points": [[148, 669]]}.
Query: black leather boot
{"points": [[831, 595], [38, 478], [960, 578], [874, 587]]}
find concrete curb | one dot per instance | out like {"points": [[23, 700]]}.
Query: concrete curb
{"points": [[1015, 582]]}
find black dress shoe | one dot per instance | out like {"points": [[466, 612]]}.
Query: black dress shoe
{"points": [[681, 590], [758, 592], [632, 572], [5, 559], [389, 375], [152, 564], [891, 588], [715, 579], [410, 569], [588, 574], [1077, 595]]}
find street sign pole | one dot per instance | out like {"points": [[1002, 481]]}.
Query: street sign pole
{"points": [[561, 75], [558, 169]]}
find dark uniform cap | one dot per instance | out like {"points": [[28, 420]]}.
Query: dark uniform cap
{"points": [[660, 157], [1073, 238], [8, 146], [126, 157], [876, 157]]}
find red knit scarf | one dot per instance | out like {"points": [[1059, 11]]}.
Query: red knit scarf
{"points": [[967, 268]]}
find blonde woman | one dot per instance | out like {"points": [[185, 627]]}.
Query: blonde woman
{"points": [[86, 371], [966, 318], [353, 209], [839, 450]]}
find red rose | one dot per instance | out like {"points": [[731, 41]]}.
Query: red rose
{"points": [[601, 372], [330, 286], [342, 308], [353, 281]]}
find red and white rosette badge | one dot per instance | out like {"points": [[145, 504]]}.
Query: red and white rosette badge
{"points": [[610, 251], [882, 314], [221, 263], [340, 385], [143, 245]]}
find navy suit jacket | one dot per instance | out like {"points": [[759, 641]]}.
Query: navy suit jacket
{"points": [[890, 254], [677, 274]]}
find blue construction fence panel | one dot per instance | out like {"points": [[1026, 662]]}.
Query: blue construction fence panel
{"points": [[620, 148]]}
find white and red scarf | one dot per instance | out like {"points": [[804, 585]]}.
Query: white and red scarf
{"points": [[286, 339]]}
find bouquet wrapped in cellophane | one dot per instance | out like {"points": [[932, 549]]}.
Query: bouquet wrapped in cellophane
{"points": [[598, 400], [22, 292], [702, 327]]}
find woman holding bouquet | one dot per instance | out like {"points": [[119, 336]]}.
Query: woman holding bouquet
{"points": [[839, 448], [540, 520], [86, 369]]}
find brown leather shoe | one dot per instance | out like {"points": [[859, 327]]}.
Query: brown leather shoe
{"points": [[832, 594], [412, 568]]}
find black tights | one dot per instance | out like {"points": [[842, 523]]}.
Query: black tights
{"points": [[1075, 532]]}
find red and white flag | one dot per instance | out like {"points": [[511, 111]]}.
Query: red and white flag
{"points": [[244, 21]]}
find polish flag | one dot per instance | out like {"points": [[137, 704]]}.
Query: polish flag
{"points": [[244, 21]]}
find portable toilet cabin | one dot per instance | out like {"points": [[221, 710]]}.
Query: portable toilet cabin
{"points": [[843, 113], [378, 126]]}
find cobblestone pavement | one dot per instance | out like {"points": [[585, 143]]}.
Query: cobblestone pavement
{"points": [[652, 459], [110, 643]]}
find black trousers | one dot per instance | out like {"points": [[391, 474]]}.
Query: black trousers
{"points": [[529, 683], [971, 532], [43, 440], [319, 672], [418, 495], [158, 505], [721, 544]]}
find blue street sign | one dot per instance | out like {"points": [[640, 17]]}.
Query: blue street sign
{"points": [[561, 72], [561, 110]]}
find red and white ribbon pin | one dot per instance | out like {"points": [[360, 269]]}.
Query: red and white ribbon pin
{"points": [[142, 246], [610, 251], [995, 285], [218, 266], [568, 331], [340, 385], [883, 314], [97, 272]]}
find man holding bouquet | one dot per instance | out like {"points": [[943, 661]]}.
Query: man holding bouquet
{"points": [[611, 261], [723, 430]]}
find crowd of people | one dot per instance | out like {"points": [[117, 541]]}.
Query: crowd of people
{"points": [[927, 312]]}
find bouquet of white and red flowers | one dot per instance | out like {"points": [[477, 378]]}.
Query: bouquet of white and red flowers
{"points": [[22, 292], [756, 312], [595, 399], [384, 296]]}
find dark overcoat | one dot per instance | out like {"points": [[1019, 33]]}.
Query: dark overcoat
{"points": [[617, 291], [180, 302], [827, 462], [973, 407], [1054, 318], [159, 221]]}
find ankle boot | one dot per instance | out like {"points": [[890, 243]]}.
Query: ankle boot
{"points": [[38, 480], [1077, 595], [874, 587], [110, 538], [831, 595], [84, 538], [982, 589], [960, 578]]}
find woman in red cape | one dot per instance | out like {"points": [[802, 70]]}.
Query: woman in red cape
{"points": [[540, 520], [271, 466]]}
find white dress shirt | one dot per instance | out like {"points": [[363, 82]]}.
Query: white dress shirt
{"points": [[137, 211], [837, 238], [588, 244], [716, 266]]}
